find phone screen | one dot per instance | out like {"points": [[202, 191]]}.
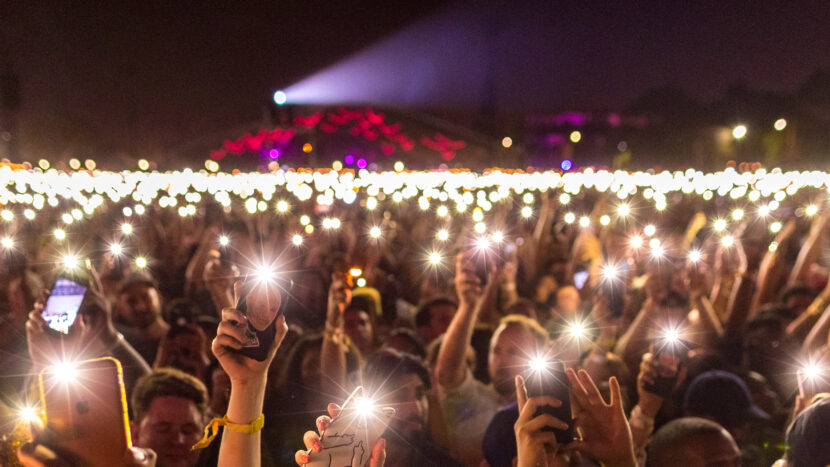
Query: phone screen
{"points": [[551, 381], [63, 304], [580, 278]]}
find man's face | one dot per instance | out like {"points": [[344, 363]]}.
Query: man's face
{"points": [[358, 327], [409, 399], [171, 426], [711, 450], [440, 317], [510, 350], [139, 305], [567, 300]]}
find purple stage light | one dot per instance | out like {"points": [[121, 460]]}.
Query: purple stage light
{"points": [[349, 159], [274, 154], [361, 163]]}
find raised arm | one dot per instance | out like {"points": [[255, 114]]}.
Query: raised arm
{"points": [[451, 368], [332, 354], [811, 249]]}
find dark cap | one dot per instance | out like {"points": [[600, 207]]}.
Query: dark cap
{"points": [[722, 396], [139, 277], [807, 436]]}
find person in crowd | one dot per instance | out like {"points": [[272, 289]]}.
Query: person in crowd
{"points": [[807, 435], [357, 324], [692, 442], [434, 317], [169, 409], [139, 314]]}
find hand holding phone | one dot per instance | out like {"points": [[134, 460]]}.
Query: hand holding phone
{"points": [[546, 377], [350, 437], [260, 303], [63, 305], [668, 358]]}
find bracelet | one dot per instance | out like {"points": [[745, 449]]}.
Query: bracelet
{"points": [[212, 429]]}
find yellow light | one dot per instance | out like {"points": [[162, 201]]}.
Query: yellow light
{"points": [[695, 256], [780, 124], [307, 148], [143, 164], [7, 243], [442, 235], [650, 230], [337, 166], [738, 214], [355, 272], [375, 232], [361, 282], [527, 212], [60, 234], [564, 198], [309, 229], [584, 221], [773, 246], [126, 229], [89, 164], [116, 249], [811, 210], [497, 237], [141, 262], [576, 136], [435, 258], [739, 131], [75, 164], [297, 239], [775, 227], [605, 219], [398, 166], [623, 210], [727, 241], [719, 225], [43, 164], [507, 141], [636, 241]]}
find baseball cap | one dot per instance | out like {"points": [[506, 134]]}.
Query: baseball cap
{"points": [[722, 396]]}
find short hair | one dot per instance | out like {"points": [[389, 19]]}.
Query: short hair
{"points": [[664, 443], [424, 313], [388, 364], [796, 289], [540, 336], [167, 382], [418, 348]]}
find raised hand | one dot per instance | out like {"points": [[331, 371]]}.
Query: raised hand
{"points": [[535, 447], [606, 435], [468, 286], [312, 441]]}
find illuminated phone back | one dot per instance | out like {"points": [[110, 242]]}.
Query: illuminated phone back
{"points": [[85, 411], [349, 439]]}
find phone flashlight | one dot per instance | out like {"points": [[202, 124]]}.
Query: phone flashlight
{"points": [[355, 272], [695, 256], [65, 372], [364, 406], [546, 377], [576, 330], [224, 240], [27, 414]]}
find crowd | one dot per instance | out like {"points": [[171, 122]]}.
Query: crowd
{"points": [[679, 344]]}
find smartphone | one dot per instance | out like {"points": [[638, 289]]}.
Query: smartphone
{"points": [[580, 278], [548, 379], [64, 302], [85, 411], [350, 437], [261, 332], [614, 289], [671, 356]]}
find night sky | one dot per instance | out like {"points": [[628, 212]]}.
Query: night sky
{"points": [[147, 78]]}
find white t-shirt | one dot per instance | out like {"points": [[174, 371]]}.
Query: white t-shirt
{"points": [[468, 410]]}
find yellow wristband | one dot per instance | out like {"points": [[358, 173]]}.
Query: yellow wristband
{"points": [[212, 429]]}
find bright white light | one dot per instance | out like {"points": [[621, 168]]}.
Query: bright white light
{"points": [[719, 225], [375, 232], [671, 336], [482, 243], [264, 273], [363, 406], [763, 211], [65, 372], [538, 364], [224, 240], [811, 371], [435, 258], [27, 414], [737, 214], [355, 272], [584, 221], [140, 262], [442, 235], [727, 241], [398, 166], [650, 230], [280, 97], [304, 219], [811, 210], [507, 141], [564, 198], [576, 329], [623, 210], [527, 211], [126, 229], [283, 206], [739, 131], [636, 241], [776, 227], [528, 198], [60, 234], [657, 251], [780, 124], [654, 242], [297, 239], [695, 256], [480, 227], [605, 219], [610, 272], [116, 249], [7, 243], [361, 282], [70, 261], [497, 237]]}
